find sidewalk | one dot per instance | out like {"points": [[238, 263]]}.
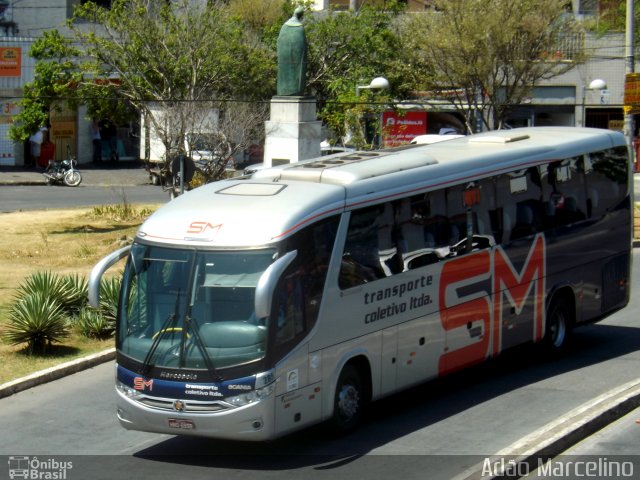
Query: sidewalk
{"points": [[123, 173]]}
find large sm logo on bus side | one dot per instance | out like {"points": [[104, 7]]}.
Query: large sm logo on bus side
{"points": [[506, 284]]}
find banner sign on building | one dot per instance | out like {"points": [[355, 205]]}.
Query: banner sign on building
{"points": [[400, 128], [632, 93], [8, 109], [10, 61]]}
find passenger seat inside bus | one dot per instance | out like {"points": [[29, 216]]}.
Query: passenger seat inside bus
{"points": [[216, 304], [233, 342]]}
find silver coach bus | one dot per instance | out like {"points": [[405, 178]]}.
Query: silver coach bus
{"points": [[257, 306]]}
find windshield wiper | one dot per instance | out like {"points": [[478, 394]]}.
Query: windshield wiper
{"points": [[167, 326], [201, 347]]}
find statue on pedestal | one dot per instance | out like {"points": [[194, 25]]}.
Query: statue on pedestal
{"points": [[292, 56]]}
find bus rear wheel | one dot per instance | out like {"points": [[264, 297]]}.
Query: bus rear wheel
{"points": [[349, 400], [558, 328]]}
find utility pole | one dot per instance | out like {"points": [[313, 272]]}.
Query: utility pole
{"points": [[629, 126]]}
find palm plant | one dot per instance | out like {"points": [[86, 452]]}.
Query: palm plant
{"points": [[37, 320], [91, 323], [77, 292], [70, 292], [109, 297]]}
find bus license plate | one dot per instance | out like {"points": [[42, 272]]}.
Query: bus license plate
{"points": [[182, 424]]}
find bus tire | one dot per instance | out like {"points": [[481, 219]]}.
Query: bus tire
{"points": [[349, 400], [558, 326]]}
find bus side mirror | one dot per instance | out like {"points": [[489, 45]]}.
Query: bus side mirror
{"points": [[267, 283], [98, 270]]}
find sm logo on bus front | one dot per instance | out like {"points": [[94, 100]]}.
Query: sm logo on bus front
{"points": [[495, 272], [141, 384]]}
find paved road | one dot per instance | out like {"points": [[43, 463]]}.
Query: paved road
{"points": [[25, 189], [434, 431], [19, 197]]}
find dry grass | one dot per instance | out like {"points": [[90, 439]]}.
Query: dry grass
{"points": [[16, 363], [62, 241]]}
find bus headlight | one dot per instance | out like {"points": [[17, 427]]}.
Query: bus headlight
{"points": [[251, 397], [126, 390]]}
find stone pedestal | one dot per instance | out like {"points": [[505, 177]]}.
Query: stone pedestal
{"points": [[293, 132]]}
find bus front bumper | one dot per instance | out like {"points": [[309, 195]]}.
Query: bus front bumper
{"points": [[251, 422]]}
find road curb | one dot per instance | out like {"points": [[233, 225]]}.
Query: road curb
{"points": [[54, 373], [561, 434]]}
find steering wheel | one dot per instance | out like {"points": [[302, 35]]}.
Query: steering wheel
{"points": [[172, 329]]}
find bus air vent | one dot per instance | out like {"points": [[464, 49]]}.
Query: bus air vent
{"points": [[498, 139], [252, 190]]}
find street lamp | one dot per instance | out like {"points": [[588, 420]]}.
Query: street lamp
{"points": [[378, 83], [597, 84]]}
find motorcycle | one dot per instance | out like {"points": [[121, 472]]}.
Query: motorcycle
{"points": [[63, 172]]}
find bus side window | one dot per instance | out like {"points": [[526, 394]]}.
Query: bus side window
{"points": [[361, 258], [472, 215], [299, 292], [423, 227], [489, 226], [520, 195], [564, 192], [389, 239], [458, 220], [547, 174], [288, 311], [606, 177]]}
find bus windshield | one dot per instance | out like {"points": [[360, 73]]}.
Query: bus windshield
{"points": [[190, 309]]}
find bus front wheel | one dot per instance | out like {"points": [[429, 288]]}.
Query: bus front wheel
{"points": [[349, 400], [558, 328]]}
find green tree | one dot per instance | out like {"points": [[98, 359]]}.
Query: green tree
{"points": [[613, 17], [172, 61], [55, 78], [486, 56], [351, 48]]}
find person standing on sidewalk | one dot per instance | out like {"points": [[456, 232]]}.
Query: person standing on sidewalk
{"points": [[112, 137], [96, 139], [35, 142]]}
